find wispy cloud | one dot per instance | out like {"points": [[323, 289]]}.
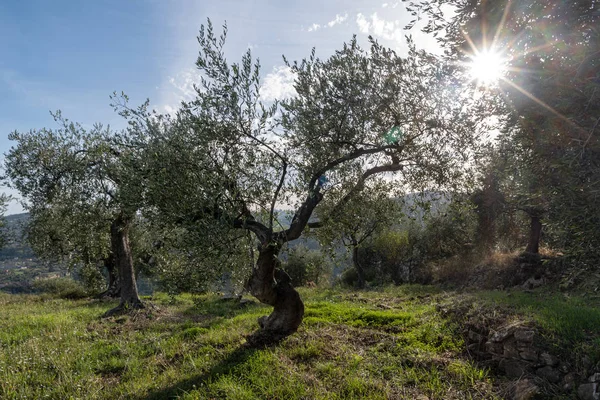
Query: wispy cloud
{"points": [[314, 27], [373, 25], [337, 20], [278, 84], [180, 87]]}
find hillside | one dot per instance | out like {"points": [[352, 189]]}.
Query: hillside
{"points": [[408, 342], [18, 264]]}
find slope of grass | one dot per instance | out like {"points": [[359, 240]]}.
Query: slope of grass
{"points": [[375, 344]]}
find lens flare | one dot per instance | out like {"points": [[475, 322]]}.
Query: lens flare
{"points": [[487, 67]]}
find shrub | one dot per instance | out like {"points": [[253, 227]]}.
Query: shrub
{"points": [[92, 279], [64, 288], [304, 265], [349, 277]]}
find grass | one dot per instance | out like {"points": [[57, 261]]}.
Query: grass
{"points": [[390, 343]]}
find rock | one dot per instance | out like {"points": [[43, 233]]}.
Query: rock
{"points": [[231, 297], [529, 355], [524, 335], [512, 368], [548, 373], [586, 362], [569, 381], [474, 347], [494, 348], [533, 283], [475, 337], [501, 336], [595, 378], [549, 359], [588, 391], [525, 390], [510, 351], [564, 367], [246, 303]]}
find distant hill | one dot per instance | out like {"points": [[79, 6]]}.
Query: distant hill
{"points": [[16, 246]]}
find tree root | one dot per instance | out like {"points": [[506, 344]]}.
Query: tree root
{"points": [[124, 308]]}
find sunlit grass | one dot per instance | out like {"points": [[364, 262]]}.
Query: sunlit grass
{"points": [[379, 344]]}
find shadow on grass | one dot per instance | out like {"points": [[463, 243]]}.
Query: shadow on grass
{"points": [[257, 341]]}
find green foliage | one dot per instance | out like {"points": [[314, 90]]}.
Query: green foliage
{"points": [[449, 232], [4, 199], [63, 288], [402, 254], [91, 279], [304, 265]]}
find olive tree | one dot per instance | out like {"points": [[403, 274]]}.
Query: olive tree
{"points": [[229, 162], [367, 214], [72, 176], [551, 102]]}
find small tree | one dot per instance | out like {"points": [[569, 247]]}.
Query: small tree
{"points": [[304, 265], [77, 172], [227, 160], [364, 216], [77, 238]]}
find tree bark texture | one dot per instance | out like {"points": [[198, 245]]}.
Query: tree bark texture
{"points": [[535, 234], [119, 236], [360, 273], [271, 285]]}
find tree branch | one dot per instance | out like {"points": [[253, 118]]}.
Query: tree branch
{"points": [[348, 157], [276, 195]]}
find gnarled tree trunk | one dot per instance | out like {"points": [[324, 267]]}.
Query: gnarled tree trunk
{"points": [[119, 237], [271, 285]]}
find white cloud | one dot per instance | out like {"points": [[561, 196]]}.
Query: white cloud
{"points": [[338, 20], [179, 88], [390, 30], [314, 27], [363, 24], [384, 5], [278, 84]]}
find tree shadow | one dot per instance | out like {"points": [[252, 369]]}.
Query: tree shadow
{"points": [[256, 341]]}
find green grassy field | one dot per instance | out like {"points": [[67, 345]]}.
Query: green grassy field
{"points": [[387, 343]]}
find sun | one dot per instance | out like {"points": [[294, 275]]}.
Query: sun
{"points": [[487, 67]]}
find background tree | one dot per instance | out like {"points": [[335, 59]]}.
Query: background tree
{"points": [[355, 222], [77, 238], [227, 160], [552, 102], [83, 172], [306, 266]]}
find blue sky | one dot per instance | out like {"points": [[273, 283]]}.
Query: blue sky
{"points": [[71, 55]]}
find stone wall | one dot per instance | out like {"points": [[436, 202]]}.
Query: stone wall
{"points": [[516, 351]]}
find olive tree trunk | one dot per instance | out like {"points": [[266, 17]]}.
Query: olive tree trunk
{"points": [[360, 273], [272, 286], [121, 249], [535, 231]]}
